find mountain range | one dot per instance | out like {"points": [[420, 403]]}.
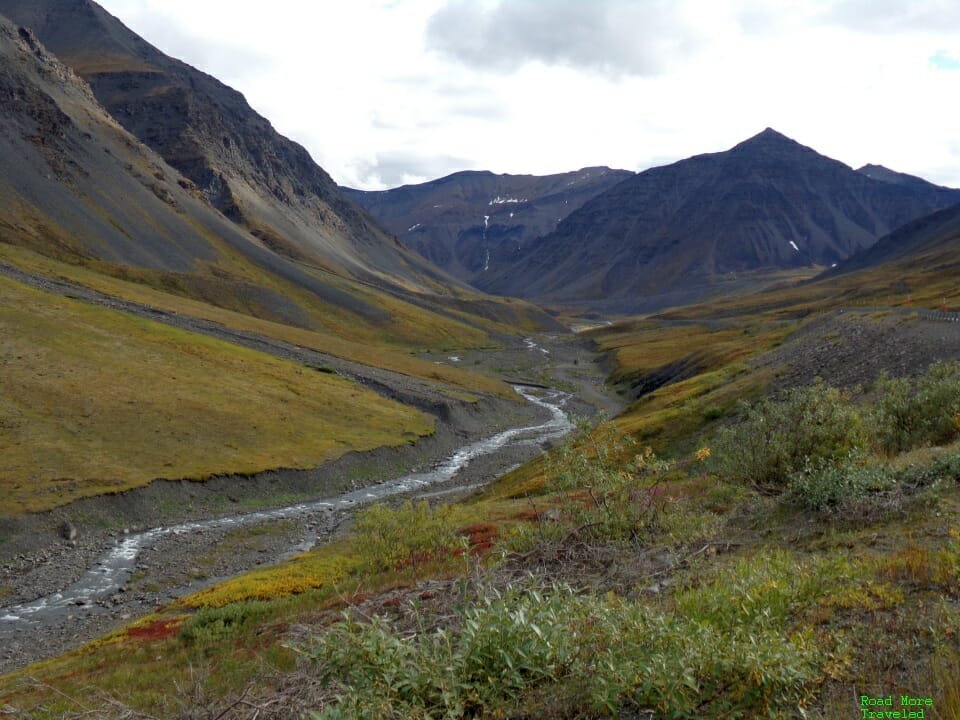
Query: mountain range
{"points": [[475, 223], [665, 236], [148, 169], [672, 234]]}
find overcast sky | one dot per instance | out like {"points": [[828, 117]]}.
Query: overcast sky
{"points": [[387, 92]]}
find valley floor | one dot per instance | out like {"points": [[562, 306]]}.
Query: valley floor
{"points": [[38, 561]]}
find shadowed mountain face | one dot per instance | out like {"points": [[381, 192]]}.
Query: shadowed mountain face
{"points": [[77, 186], [473, 224], [930, 243], [209, 133], [670, 234]]}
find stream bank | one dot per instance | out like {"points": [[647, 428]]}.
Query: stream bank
{"points": [[39, 560], [171, 562]]}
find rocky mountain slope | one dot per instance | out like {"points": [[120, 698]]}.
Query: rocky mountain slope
{"points": [[79, 187], [930, 243], [75, 185], [475, 223], [670, 234], [207, 131]]}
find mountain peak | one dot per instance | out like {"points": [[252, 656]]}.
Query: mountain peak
{"points": [[770, 134], [768, 138]]}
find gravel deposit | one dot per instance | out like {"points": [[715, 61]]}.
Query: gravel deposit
{"points": [[852, 348]]}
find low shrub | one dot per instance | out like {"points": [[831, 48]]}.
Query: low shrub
{"points": [[910, 414], [829, 483], [592, 656], [612, 498], [776, 438], [393, 538], [217, 623]]}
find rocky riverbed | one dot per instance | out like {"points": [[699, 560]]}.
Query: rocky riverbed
{"points": [[40, 561]]}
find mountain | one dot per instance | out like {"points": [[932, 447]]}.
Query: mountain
{"points": [[930, 244], [474, 223], [207, 131], [77, 187], [944, 195], [673, 234]]}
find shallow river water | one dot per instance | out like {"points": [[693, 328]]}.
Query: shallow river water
{"points": [[113, 569]]}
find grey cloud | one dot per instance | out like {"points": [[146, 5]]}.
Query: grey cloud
{"points": [[392, 169], [895, 16], [614, 37]]}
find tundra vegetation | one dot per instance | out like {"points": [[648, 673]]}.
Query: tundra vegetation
{"points": [[724, 549], [95, 401]]}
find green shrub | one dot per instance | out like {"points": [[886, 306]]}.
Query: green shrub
{"points": [[775, 439], [944, 467], [826, 484], [908, 415], [612, 498], [389, 539], [713, 412], [591, 656], [213, 624]]}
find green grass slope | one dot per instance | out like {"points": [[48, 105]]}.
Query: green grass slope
{"points": [[96, 401]]}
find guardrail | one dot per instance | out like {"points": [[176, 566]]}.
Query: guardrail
{"points": [[938, 315]]}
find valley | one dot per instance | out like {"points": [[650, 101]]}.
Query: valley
{"points": [[146, 569], [38, 562], [670, 444]]}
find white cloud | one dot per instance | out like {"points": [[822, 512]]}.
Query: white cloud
{"points": [[895, 17], [388, 92]]}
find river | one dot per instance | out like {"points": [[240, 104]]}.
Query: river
{"points": [[113, 569]]}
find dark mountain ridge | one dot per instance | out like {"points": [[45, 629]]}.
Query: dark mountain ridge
{"points": [[672, 234], [78, 187], [946, 196], [207, 131], [474, 223]]}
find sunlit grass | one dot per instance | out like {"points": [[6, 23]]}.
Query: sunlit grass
{"points": [[96, 401], [348, 339]]}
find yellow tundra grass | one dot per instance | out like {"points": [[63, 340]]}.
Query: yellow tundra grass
{"points": [[349, 340], [95, 401]]}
